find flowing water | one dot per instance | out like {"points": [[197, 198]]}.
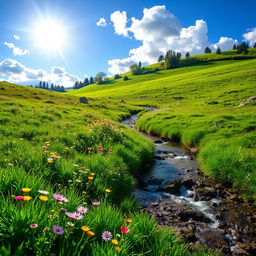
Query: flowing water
{"points": [[172, 191]]}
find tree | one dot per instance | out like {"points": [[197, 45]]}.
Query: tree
{"points": [[187, 55], [91, 80], [86, 81], [234, 47], [207, 50], [76, 85], [254, 46], [40, 84], [117, 76], [140, 64], [43, 85], [172, 59], [161, 58], [135, 69], [99, 77], [218, 51], [242, 48], [126, 78]]}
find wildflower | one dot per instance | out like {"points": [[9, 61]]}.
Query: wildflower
{"points": [[50, 160], [92, 174], [125, 230], [75, 165], [27, 198], [128, 220], [118, 235], [58, 230], [100, 148], [108, 190], [118, 248], [43, 198], [89, 148], [34, 225], [82, 209], [114, 241], [44, 192], [21, 139], [85, 228], [106, 236], [69, 181], [60, 198], [90, 233], [77, 216], [96, 203], [90, 178], [26, 190], [70, 224], [18, 198], [69, 214], [56, 157]]}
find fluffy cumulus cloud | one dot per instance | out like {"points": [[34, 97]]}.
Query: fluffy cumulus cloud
{"points": [[16, 50], [16, 37], [225, 43], [101, 22], [119, 20], [250, 36], [15, 72], [159, 30]]}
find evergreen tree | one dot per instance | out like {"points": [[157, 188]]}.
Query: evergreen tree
{"points": [[91, 80], [187, 55], [242, 48], [234, 47], [218, 51], [86, 81], [140, 64], [40, 84], [52, 87], [207, 50], [161, 58], [254, 46], [76, 85], [172, 59], [80, 84], [47, 86]]}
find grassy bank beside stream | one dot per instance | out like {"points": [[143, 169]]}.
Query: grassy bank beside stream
{"points": [[66, 179]]}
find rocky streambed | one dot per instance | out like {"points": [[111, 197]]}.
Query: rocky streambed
{"points": [[204, 212]]}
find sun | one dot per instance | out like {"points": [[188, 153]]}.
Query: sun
{"points": [[49, 35]]}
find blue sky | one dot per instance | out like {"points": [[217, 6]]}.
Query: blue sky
{"points": [[88, 48]]}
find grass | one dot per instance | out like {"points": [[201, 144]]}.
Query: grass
{"points": [[82, 153], [198, 105]]}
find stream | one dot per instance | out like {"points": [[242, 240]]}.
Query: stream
{"points": [[204, 212]]}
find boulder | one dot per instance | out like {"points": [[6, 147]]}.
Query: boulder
{"points": [[83, 100]]}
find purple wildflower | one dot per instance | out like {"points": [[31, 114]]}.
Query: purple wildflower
{"points": [[58, 230], [96, 203], [106, 236], [60, 198], [82, 209]]}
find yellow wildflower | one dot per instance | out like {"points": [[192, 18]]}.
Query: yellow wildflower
{"points": [[26, 190], [85, 228]]}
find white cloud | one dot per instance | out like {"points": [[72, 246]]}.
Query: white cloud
{"points": [[16, 37], [16, 72], [250, 36], [225, 43], [159, 30], [119, 20], [16, 50], [101, 22]]}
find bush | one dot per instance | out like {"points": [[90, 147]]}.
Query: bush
{"points": [[126, 78]]}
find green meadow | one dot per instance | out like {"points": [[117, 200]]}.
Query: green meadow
{"points": [[67, 169], [198, 105], [66, 178]]}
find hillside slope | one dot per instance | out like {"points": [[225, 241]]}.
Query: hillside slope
{"points": [[199, 106]]}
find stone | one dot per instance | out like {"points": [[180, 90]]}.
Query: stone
{"points": [[83, 100]]}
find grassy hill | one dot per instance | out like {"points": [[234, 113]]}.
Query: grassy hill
{"points": [[199, 106], [67, 176]]}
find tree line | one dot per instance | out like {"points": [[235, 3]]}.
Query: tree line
{"points": [[52, 87]]}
